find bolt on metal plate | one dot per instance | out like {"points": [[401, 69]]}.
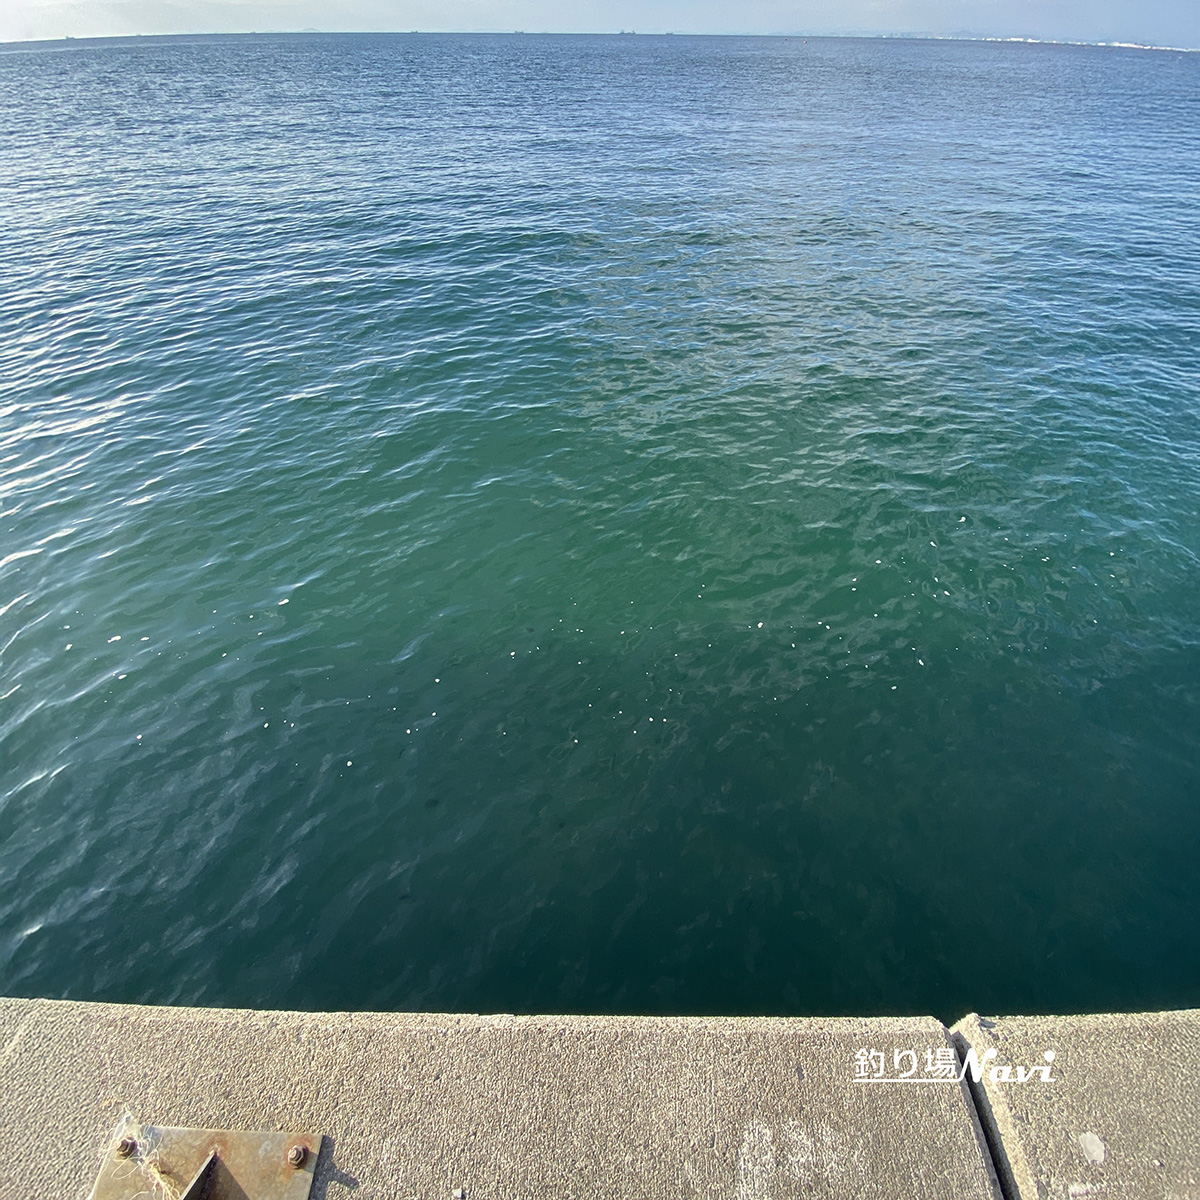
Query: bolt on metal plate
{"points": [[159, 1162]]}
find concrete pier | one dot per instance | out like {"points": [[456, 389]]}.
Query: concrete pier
{"points": [[437, 1107]]}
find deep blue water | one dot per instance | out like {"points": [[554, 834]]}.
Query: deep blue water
{"points": [[600, 524]]}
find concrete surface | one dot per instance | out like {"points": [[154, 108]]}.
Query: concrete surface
{"points": [[433, 1106], [1120, 1118]]}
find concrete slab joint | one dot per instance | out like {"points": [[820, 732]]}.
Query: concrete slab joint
{"points": [[1117, 1115]]}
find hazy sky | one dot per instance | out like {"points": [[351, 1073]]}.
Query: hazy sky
{"points": [[1155, 22]]}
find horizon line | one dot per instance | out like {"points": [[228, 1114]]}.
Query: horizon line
{"points": [[622, 33]]}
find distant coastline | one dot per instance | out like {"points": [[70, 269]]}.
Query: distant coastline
{"points": [[622, 34]]}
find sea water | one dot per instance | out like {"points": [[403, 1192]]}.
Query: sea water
{"points": [[658, 525]]}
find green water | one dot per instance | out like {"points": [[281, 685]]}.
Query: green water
{"points": [[579, 524]]}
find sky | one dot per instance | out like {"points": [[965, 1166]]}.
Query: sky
{"points": [[1149, 22]]}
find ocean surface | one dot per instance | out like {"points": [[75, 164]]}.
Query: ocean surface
{"points": [[617, 524]]}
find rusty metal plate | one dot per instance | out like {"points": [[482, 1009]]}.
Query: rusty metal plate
{"points": [[158, 1162]]}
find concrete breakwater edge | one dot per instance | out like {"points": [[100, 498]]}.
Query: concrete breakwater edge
{"points": [[439, 1107]]}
